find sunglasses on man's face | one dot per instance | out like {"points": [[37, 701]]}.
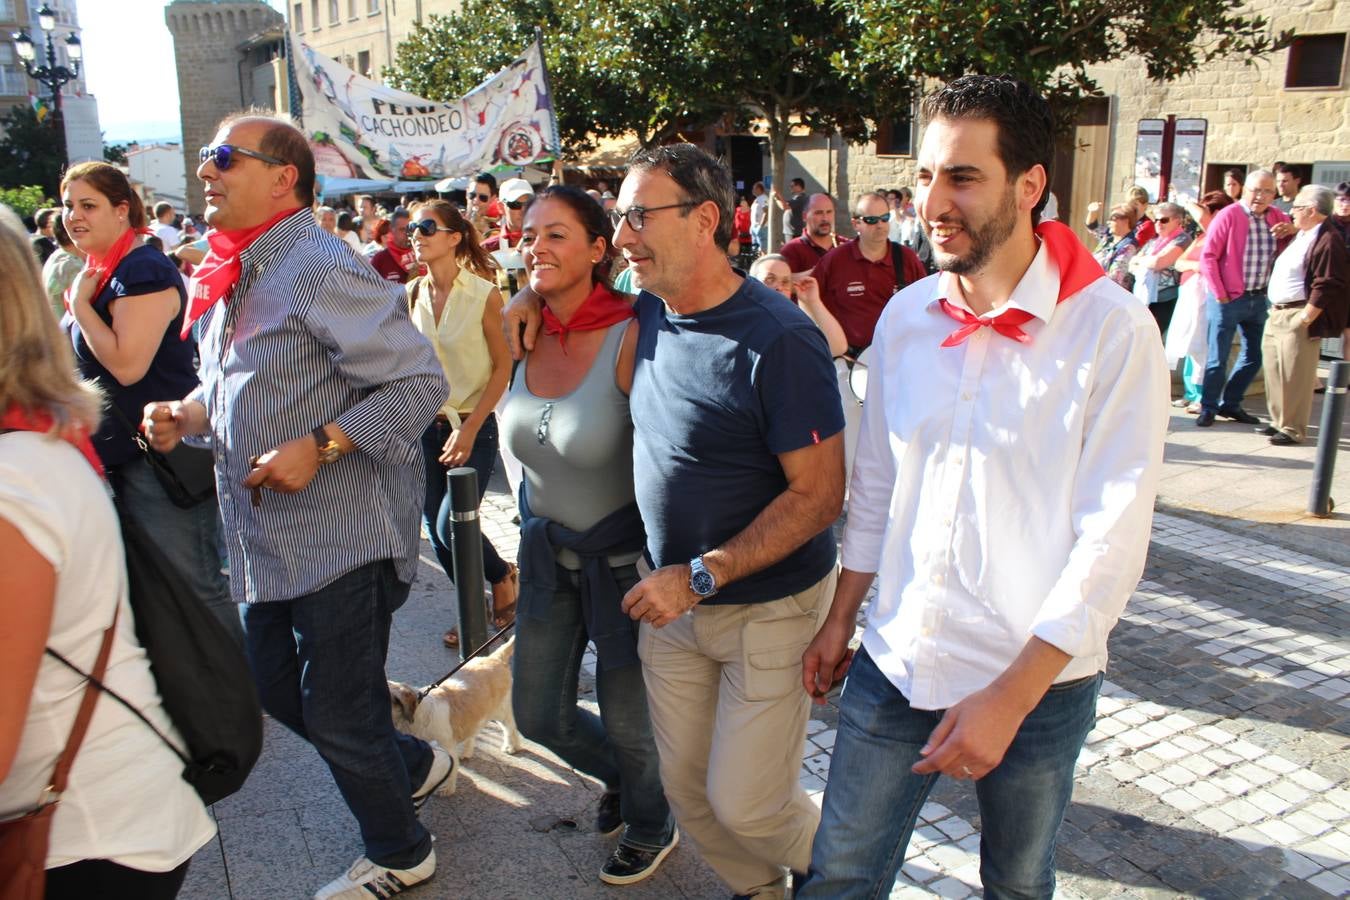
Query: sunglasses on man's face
{"points": [[484, 198], [873, 220], [223, 156], [427, 227], [1163, 220], [515, 204]]}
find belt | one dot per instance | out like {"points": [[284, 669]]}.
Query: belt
{"points": [[1292, 304]]}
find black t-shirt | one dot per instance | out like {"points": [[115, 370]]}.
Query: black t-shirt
{"points": [[171, 376], [43, 246], [797, 213], [716, 396]]}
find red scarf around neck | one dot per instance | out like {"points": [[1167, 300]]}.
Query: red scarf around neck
{"points": [[17, 419], [106, 264], [216, 275], [1077, 269], [601, 309]]}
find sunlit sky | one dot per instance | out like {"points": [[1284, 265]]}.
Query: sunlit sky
{"points": [[129, 67]]}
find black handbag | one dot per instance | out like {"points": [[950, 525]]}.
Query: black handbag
{"points": [[187, 474]]}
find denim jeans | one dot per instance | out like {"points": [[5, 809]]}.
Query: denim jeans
{"points": [[1247, 316], [190, 538], [436, 508], [318, 661], [872, 799], [616, 747]]}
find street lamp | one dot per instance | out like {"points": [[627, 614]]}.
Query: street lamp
{"points": [[51, 74]]}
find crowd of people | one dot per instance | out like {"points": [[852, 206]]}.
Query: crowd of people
{"points": [[681, 460]]}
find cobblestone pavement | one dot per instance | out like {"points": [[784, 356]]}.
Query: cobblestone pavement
{"points": [[1218, 767]]}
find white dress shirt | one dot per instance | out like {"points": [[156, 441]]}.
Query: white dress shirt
{"points": [[1004, 490], [1287, 275]]}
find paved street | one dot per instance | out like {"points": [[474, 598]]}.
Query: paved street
{"points": [[1218, 768]]}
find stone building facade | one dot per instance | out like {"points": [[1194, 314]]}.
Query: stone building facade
{"points": [[363, 35], [223, 49]]}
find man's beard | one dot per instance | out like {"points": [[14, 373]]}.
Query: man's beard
{"points": [[984, 240]]}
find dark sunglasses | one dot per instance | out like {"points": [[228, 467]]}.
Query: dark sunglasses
{"points": [[1163, 220], [515, 204], [484, 198], [223, 156], [428, 227], [873, 220], [1115, 216]]}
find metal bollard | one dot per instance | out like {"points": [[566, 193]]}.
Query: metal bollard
{"points": [[467, 547], [1333, 409]]}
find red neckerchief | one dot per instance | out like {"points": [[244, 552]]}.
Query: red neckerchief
{"points": [[216, 275], [106, 264], [1077, 269], [17, 419], [601, 309]]}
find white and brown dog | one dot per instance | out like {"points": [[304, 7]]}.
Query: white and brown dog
{"points": [[453, 712]]}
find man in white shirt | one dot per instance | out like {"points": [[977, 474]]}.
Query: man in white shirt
{"points": [[1003, 491], [164, 229], [759, 217]]}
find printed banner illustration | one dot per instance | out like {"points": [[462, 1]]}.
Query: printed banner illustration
{"points": [[361, 129]]}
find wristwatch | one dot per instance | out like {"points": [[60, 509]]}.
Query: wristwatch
{"points": [[329, 449], [701, 580]]}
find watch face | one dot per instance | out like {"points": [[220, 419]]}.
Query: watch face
{"points": [[702, 583]]}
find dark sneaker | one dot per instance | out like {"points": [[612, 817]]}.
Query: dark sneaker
{"points": [[629, 865], [608, 818]]}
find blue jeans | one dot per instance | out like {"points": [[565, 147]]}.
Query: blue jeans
{"points": [[436, 507], [616, 747], [190, 538], [872, 798], [318, 661], [1246, 315]]}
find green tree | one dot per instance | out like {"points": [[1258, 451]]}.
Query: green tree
{"points": [[115, 153], [25, 200], [1050, 43], [30, 152]]}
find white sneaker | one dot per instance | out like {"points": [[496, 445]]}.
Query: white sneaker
{"points": [[365, 880], [442, 767]]}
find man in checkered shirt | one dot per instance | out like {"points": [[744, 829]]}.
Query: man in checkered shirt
{"points": [[1240, 248]]}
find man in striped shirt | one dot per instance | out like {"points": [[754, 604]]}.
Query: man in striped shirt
{"points": [[315, 389]]}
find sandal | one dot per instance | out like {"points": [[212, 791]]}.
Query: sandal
{"points": [[504, 614], [451, 639]]}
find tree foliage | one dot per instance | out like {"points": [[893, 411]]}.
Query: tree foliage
{"points": [[25, 200], [115, 153], [30, 152], [1051, 43]]}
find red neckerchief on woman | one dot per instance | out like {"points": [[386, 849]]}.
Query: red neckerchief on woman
{"points": [[106, 264], [1077, 269], [18, 419], [216, 275], [601, 309]]}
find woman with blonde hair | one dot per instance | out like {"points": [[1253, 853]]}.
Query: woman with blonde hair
{"points": [[458, 308], [125, 324], [126, 823]]}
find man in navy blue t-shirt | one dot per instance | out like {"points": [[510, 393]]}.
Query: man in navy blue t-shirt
{"points": [[738, 463]]}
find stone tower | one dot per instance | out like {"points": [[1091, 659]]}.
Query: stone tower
{"points": [[209, 37]]}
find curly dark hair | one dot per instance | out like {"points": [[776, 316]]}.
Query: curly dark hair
{"points": [[1026, 124]]}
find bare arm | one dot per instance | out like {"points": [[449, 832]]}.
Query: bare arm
{"points": [[521, 321], [460, 445], [127, 348], [27, 594], [826, 660], [808, 296]]}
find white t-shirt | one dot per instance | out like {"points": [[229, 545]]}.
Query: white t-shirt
{"points": [[1287, 275], [352, 241], [168, 234], [126, 799]]}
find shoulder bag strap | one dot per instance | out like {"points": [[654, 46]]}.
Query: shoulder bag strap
{"points": [[86, 712], [898, 261]]}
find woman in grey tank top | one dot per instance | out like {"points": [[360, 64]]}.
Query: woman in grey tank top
{"points": [[566, 419]]}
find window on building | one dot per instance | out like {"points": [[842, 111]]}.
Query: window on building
{"points": [[363, 62], [334, 16], [895, 137], [351, 9], [11, 73], [314, 13], [1316, 61], [374, 6], [7, 9], [298, 16]]}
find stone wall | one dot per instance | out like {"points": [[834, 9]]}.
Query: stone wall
{"points": [[206, 36]]}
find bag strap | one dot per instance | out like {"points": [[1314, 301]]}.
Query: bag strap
{"points": [[898, 261], [86, 712]]}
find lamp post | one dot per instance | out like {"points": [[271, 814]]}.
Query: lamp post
{"points": [[52, 75]]}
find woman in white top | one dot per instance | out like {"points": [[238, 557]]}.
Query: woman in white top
{"points": [[127, 823], [460, 311]]}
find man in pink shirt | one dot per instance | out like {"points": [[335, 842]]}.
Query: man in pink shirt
{"points": [[1242, 243]]}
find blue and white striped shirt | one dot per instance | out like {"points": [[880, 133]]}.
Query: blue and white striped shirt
{"points": [[312, 335]]}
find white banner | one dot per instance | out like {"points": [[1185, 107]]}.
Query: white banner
{"points": [[361, 129]]}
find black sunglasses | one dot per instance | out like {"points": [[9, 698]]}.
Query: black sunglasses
{"points": [[515, 204], [873, 220], [223, 156], [428, 227], [1163, 220], [484, 198]]}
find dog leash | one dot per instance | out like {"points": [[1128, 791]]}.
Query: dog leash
{"points": [[438, 682]]}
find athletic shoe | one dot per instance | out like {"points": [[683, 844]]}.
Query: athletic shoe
{"points": [[608, 818], [629, 865], [442, 765], [365, 880]]}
